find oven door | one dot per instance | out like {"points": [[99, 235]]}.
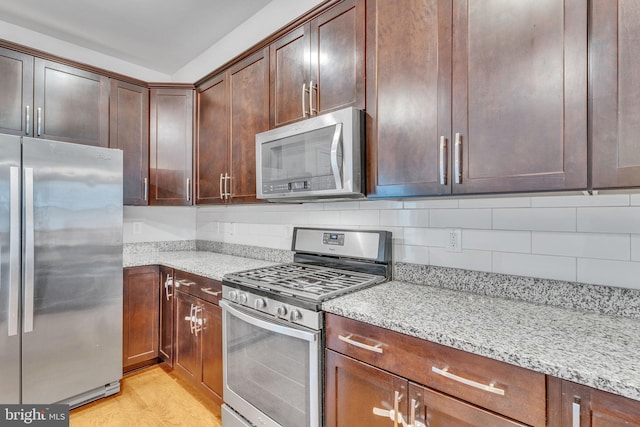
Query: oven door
{"points": [[272, 369]]}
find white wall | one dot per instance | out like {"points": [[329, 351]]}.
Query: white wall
{"points": [[589, 239]]}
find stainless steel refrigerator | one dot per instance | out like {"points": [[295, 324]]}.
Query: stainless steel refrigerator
{"points": [[60, 271]]}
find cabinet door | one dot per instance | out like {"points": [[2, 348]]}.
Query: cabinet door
{"points": [[212, 153], [615, 93], [249, 114], [140, 316], [408, 97], [211, 340], [439, 410], [357, 394], [171, 144], [166, 315], [571, 405], [71, 105], [289, 71], [520, 95], [129, 131], [338, 57], [16, 93], [186, 342]]}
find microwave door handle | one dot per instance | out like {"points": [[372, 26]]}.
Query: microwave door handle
{"points": [[337, 135]]}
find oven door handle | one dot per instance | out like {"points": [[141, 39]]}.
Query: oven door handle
{"points": [[269, 326]]}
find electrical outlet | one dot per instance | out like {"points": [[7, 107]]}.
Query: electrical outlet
{"points": [[454, 240]]}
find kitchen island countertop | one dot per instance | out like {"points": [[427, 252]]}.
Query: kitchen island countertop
{"points": [[596, 350]]}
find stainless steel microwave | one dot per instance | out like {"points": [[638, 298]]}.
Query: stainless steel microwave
{"points": [[315, 159]]}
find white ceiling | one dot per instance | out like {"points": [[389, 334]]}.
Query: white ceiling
{"points": [[162, 35]]}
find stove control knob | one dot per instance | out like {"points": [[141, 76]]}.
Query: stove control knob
{"points": [[242, 298], [282, 311], [233, 295], [296, 315], [260, 303]]}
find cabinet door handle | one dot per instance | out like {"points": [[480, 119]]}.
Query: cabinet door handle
{"points": [[304, 104], [145, 189], [348, 340], [196, 325], [227, 186], [167, 284], [458, 159], [208, 291], [445, 373], [396, 409], [185, 282], [443, 163], [188, 189], [312, 87], [575, 413], [27, 126], [39, 122], [393, 414]]}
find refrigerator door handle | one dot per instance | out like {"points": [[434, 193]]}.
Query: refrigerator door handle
{"points": [[14, 249], [28, 250]]}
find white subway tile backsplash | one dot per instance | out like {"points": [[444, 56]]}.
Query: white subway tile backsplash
{"points": [[543, 266], [431, 204], [468, 260], [405, 217], [535, 219], [582, 245], [358, 217], [609, 220], [327, 218], [460, 218], [497, 240], [339, 206], [635, 199], [413, 255], [498, 202], [381, 204], [635, 247], [580, 201], [425, 237], [610, 273]]}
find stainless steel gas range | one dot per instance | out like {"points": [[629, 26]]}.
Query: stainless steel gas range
{"points": [[273, 325]]}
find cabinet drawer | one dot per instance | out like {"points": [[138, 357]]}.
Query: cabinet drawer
{"points": [[202, 287], [509, 390]]}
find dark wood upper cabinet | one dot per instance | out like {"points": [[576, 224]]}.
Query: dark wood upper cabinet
{"points": [[615, 93], [467, 97], [319, 66], [232, 108], [519, 119], [171, 145], [16, 93], [140, 316], [408, 97], [129, 131], [70, 104]]}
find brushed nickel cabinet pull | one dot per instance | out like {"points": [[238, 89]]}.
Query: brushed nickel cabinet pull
{"points": [[27, 120], [311, 89], [227, 186], [575, 413], [443, 163], [210, 292], [185, 282], [348, 340], [304, 104], [458, 159], [445, 373], [146, 189], [39, 122], [221, 192], [167, 284], [188, 189]]}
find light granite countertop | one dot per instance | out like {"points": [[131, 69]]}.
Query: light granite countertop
{"points": [[207, 264], [592, 349]]}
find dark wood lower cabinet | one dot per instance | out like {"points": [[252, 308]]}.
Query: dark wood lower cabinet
{"points": [[197, 352], [140, 317], [167, 315], [572, 404]]}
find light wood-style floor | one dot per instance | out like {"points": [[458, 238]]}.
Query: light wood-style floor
{"points": [[151, 397]]}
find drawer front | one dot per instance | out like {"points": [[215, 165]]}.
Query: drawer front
{"points": [[202, 287], [515, 392]]}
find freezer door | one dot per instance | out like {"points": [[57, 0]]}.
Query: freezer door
{"points": [[72, 261], [10, 270]]}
